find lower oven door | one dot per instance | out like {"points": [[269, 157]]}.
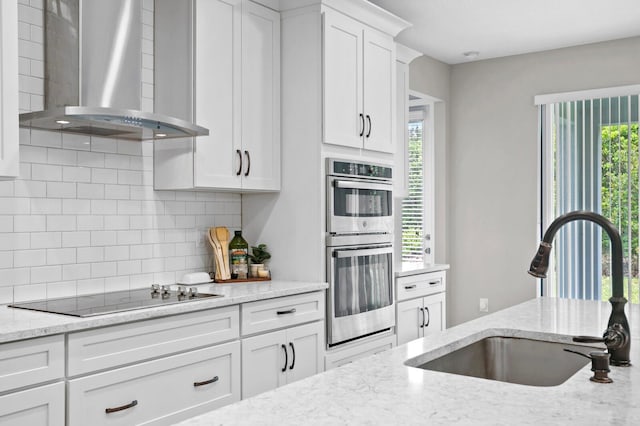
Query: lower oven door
{"points": [[361, 291]]}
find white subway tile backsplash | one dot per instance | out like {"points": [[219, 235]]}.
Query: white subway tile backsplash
{"points": [[46, 239], [76, 239], [22, 258], [91, 191], [90, 254], [61, 256], [61, 223], [103, 238], [31, 223], [61, 190], [44, 274], [112, 253], [83, 216], [76, 271]]}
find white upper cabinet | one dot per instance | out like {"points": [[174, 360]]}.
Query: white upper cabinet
{"points": [[223, 68], [359, 76], [9, 143]]}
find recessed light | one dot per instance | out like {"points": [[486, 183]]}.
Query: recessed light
{"points": [[63, 122], [471, 54], [160, 135]]}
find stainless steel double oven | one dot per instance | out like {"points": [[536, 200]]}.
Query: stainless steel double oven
{"points": [[359, 250]]}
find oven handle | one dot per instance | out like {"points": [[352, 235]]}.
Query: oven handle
{"points": [[362, 185], [362, 251]]}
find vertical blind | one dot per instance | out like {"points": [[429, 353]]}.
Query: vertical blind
{"points": [[592, 147], [413, 204]]}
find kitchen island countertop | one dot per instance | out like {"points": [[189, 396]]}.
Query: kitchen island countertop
{"points": [[380, 389], [20, 324]]}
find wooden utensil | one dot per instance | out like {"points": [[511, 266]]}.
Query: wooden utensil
{"points": [[217, 252], [222, 233]]}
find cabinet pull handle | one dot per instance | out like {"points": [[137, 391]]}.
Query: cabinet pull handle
{"points": [[122, 407], [248, 163], [288, 311], [206, 382], [428, 316], [293, 352], [369, 121], [409, 287], [240, 157], [362, 124], [286, 358], [422, 310], [434, 282]]}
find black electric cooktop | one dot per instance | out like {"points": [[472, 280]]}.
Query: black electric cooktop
{"points": [[117, 301]]}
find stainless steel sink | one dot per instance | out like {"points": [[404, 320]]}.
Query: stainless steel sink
{"points": [[514, 360]]}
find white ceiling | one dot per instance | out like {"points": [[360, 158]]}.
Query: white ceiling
{"points": [[445, 29]]}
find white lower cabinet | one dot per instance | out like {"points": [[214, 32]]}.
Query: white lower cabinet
{"points": [[43, 405], [273, 359], [161, 391], [421, 307]]}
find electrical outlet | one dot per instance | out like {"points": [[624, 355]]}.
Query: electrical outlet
{"points": [[484, 305]]}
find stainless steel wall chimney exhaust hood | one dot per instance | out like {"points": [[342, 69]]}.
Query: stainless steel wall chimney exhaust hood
{"points": [[93, 73]]}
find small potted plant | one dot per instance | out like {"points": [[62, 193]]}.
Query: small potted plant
{"points": [[258, 258]]}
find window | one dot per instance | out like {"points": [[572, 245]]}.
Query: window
{"points": [[590, 162], [417, 207]]}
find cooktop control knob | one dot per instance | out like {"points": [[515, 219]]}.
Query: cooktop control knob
{"points": [[155, 288], [193, 292], [182, 290]]}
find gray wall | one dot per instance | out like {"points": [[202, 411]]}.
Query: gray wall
{"points": [[491, 161]]}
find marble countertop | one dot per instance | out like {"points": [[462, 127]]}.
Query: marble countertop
{"points": [[411, 269], [19, 324], [380, 389]]}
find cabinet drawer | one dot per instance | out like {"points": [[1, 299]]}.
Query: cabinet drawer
{"points": [[420, 285], [43, 405], [265, 315], [162, 391], [28, 362], [110, 347], [336, 358]]}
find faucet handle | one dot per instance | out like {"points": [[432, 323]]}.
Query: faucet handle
{"points": [[588, 339]]}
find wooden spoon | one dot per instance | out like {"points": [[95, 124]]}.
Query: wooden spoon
{"points": [[222, 233]]}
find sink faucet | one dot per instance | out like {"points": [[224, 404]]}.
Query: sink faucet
{"points": [[617, 336]]}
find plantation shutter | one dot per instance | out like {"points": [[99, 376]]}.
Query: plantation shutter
{"points": [[413, 204], [590, 162]]}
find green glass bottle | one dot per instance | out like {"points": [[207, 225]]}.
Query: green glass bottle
{"points": [[238, 257]]}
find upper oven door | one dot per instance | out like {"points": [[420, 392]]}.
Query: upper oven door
{"points": [[359, 206]]}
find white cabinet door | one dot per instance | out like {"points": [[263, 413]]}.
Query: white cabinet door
{"points": [[409, 321], [306, 351], [43, 405], [260, 97], [379, 91], [344, 121], [217, 92], [264, 363], [9, 143], [434, 309]]}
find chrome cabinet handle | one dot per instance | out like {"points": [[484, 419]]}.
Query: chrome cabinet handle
{"points": [[206, 382], [409, 287], [288, 311], [362, 124], [428, 317], [369, 121], [248, 163], [286, 358], [122, 407], [293, 352], [240, 157], [422, 310]]}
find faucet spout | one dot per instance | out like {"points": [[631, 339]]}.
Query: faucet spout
{"points": [[618, 326]]}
